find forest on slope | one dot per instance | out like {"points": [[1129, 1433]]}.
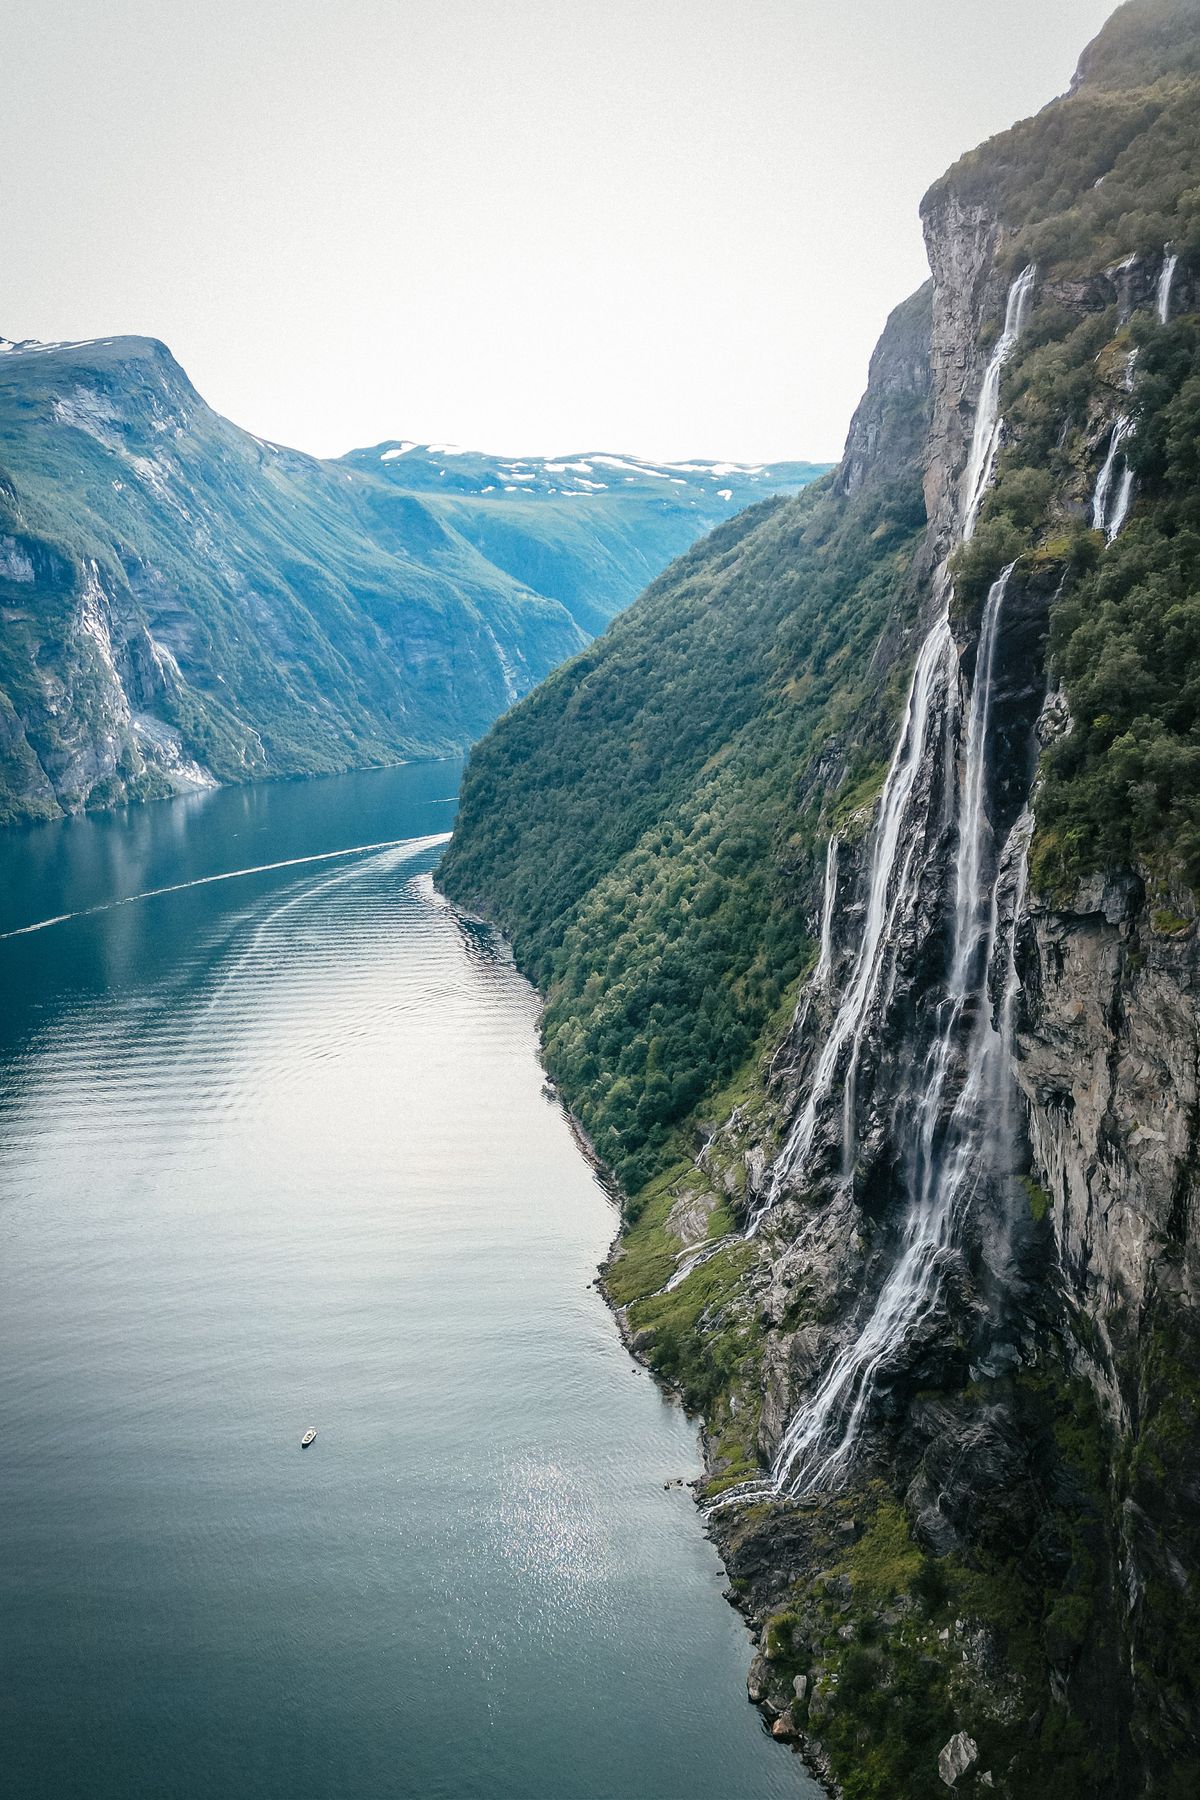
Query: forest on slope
{"points": [[657, 784]]}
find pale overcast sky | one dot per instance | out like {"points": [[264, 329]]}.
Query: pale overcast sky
{"points": [[667, 226]]}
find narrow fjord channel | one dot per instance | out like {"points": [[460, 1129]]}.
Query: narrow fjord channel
{"points": [[274, 1152]]}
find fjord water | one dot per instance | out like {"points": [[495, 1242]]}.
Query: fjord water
{"points": [[274, 1151]]}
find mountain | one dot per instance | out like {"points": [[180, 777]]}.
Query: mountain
{"points": [[589, 529], [875, 982], [183, 602]]}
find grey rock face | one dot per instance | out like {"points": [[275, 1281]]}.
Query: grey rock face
{"points": [[962, 242], [892, 412], [1108, 1057]]}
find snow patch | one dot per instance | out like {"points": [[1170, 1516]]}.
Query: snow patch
{"points": [[621, 462]]}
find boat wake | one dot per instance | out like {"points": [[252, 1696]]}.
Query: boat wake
{"points": [[413, 845]]}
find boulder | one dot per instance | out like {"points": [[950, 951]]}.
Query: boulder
{"points": [[957, 1757]]}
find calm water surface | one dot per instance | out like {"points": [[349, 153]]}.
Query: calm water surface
{"points": [[274, 1152]]}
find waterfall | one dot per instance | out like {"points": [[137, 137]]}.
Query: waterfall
{"points": [[1121, 510], [1120, 432], [693, 1256], [818, 982], [973, 821], [1170, 263], [1014, 864], [891, 886], [985, 441], [824, 968], [944, 1160], [895, 869], [943, 1165], [1106, 518]]}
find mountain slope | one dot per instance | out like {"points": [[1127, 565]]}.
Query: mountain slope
{"points": [[182, 602], [710, 696], [876, 982], [588, 529]]}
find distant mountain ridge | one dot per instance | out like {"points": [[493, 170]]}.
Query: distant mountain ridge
{"points": [[182, 602], [521, 512], [449, 469]]}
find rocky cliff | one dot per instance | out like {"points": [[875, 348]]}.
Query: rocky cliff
{"points": [[920, 1242]]}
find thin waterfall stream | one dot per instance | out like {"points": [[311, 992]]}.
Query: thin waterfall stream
{"points": [[1106, 518], [1170, 264]]}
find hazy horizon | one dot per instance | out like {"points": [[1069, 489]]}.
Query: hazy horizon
{"points": [[528, 230]]}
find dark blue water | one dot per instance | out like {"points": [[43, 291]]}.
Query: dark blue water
{"points": [[274, 1152]]}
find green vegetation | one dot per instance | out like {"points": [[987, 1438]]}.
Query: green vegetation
{"points": [[701, 1340], [644, 825], [1111, 172], [1111, 169], [1162, 1488], [1039, 1200], [1125, 784]]}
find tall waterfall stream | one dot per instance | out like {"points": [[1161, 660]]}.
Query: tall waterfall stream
{"points": [[948, 1137]]}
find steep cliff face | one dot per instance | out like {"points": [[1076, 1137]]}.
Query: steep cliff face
{"points": [[922, 1251], [1108, 1059], [957, 1281]]}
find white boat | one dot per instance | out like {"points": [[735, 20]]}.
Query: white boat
{"points": [[308, 1437]]}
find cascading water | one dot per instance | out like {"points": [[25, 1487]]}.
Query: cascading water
{"points": [[886, 895], [985, 442], [1170, 264], [1105, 518], [1110, 518], [894, 868], [1014, 864], [824, 968], [943, 1165], [1120, 511]]}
